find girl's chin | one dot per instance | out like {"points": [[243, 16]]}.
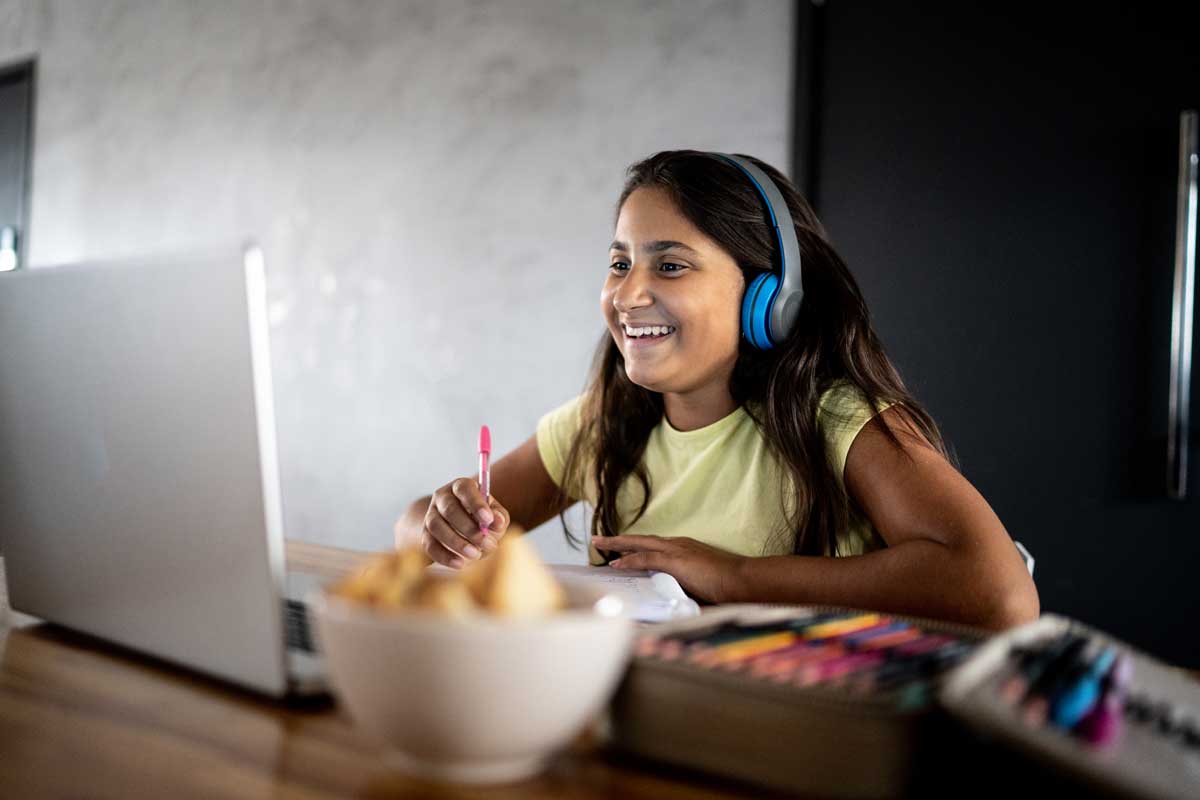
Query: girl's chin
{"points": [[651, 379]]}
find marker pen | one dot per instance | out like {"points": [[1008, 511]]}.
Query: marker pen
{"points": [[838, 628], [883, 628], [485, 469], [1103, 723], [1078, 697], [1067, 668], [1033, 665], [747, 648]]}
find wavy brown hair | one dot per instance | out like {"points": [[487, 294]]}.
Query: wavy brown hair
{"points": [[780, 388]]}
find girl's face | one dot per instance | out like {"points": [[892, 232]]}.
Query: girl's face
{"points": [[665, 274]]}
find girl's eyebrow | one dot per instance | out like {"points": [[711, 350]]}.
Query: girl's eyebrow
{"points": [[653, 247]]}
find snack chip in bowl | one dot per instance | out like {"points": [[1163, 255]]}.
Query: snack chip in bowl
{"points": [[475, 676], [513, 582]]}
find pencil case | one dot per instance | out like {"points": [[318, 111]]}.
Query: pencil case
{"points": [[1153, 748], [692, 698], [783, 724]]}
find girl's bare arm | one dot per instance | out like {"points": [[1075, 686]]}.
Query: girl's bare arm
{"points": [[948, 555]]}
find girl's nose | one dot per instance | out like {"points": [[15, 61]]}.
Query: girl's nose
{"points": [[633, 291]]}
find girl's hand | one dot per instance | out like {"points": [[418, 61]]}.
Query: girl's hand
{"points": [[705, 572], [450, 533]]}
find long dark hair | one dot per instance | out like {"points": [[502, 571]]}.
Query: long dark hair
{"points": [[780, 388]]}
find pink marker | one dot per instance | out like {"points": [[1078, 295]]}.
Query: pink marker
{"points": [[485, 471]]}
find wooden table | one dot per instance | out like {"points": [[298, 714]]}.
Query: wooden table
{"points": [[80, 718]]}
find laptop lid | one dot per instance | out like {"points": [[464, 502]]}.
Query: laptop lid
{"points": [[139, 490]]}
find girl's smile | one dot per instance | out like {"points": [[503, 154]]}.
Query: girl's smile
{"points": [[641, 336]]}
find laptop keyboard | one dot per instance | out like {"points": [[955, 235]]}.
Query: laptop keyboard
{"points": [[299, 635]]}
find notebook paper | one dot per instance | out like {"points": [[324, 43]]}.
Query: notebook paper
{"points": [[649, 596]]}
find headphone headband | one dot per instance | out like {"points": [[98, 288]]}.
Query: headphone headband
{"points": [[771, 304]]}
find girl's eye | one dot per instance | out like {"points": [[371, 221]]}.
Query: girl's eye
{"points": [[622, 265]]}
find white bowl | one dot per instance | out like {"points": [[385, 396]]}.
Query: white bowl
{"points": [[481, 700]]}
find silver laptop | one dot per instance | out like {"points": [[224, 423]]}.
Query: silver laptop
{"points": [[139, 482]]}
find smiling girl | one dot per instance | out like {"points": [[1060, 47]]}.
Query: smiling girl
{"points": [[804, 472]]}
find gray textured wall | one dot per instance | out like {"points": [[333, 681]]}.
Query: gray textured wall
{"points": [[415, 171]]}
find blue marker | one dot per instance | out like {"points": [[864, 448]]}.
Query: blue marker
{"points": [[1079, 697]]}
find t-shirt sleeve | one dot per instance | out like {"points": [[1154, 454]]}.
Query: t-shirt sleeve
{"points": [[556, 431], [842, 414]]}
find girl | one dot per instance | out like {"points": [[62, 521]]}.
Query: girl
{"points": [[805, 473]]}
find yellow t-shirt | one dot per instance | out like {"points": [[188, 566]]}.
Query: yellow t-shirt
{"points": [[718, 484]]}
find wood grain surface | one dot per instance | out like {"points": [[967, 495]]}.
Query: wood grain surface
{"points": [[82, 718]]}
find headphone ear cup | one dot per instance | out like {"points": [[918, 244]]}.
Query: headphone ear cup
{"points": [[756, 310]]}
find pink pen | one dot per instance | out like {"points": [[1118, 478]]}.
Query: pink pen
{"points": [[485, 471]]}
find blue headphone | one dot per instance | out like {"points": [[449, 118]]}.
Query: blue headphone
{"points": [[772, 302]]}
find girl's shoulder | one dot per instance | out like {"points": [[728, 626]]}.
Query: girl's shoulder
{"points": [[844, 400], [840, 398], [564, 421]]}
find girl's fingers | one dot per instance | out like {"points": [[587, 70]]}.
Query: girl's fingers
{"points": [[449, 538], [451, 507], [476, 505], [629, 543], [501, 519], [438, 552], [643, 560]]}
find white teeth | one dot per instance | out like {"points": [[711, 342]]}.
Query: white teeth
{"points": [[653, 330]]}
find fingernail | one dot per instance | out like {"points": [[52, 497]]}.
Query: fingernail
{"points": [[484, 516], [489, 544], [616, 562], [471, 551], [456, 563]]}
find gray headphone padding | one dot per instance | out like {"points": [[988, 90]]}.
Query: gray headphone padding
{"points": [[786, 305]]}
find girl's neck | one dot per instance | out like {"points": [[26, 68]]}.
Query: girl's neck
{"points": [[689, 411]]}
